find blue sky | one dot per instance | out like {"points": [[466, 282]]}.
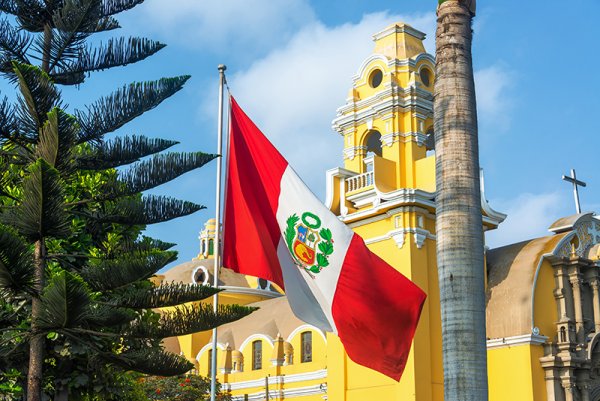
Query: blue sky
{"points": [[290, 64]]}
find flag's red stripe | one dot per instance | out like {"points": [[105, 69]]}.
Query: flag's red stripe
{"points": [[376, 310], [251, 232]]}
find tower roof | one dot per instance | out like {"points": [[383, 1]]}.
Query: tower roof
{"points": [[399, 41]]}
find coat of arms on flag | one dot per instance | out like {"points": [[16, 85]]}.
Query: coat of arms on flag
{"points": [[310, 247]]}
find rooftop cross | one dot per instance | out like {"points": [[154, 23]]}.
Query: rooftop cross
{"points": [[573, 179]]}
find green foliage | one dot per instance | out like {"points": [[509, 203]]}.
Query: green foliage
{"points": [[290, 230], [180, 388], [41, 212], [65, 302], [16, 270], [71, 224]]}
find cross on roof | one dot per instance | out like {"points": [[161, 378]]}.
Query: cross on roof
{"points": [[573, 179]]}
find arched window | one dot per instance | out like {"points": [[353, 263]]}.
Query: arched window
{"points": [[430, 142], [211, 247], [373, 143], [209, 370], [306, 350], [256, 355]]}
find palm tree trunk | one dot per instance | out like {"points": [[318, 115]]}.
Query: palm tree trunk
{"points": [[459, 228], [36, 345]]}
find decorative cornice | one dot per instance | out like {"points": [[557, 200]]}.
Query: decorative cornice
{"points": [[533, 339], [389, 139], [272, 380], [399, 234], [399, 28], [383, 102], [229, 289]]}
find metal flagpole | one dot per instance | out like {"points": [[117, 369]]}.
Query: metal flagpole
{"points": [[217, 245]]}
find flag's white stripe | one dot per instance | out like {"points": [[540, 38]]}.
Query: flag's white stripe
{"points": [[301, 296], [296, 198]]}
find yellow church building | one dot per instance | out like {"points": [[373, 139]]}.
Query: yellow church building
{"points": [[543, 302]]}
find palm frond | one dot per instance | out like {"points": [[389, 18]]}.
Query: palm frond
{"points": [[37, 97], [188, 319], [120, 151], [112, 112], [116, 52], [112, 7], [151, 361], [57, 138], [116, 273], [151, 209], [41, 212], [162, 168], [170, 294], [65, 302], [16, 267]]}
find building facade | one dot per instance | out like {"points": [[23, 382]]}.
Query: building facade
{"points": [[543, 310]]}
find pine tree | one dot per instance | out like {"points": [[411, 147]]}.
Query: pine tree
{"points": [[74, 267]]}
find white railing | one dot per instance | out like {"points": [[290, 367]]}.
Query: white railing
{"points": [[359, 181]]}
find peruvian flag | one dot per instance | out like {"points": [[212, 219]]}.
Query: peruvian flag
{"points": [[276, 229]]}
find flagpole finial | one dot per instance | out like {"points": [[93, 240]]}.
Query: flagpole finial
{"points": [[222, 67]]}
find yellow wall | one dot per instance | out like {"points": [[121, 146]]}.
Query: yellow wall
{"points": [[515, 373]]}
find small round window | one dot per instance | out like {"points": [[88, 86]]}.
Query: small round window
{"points": [[425, 75], [375, 78]]}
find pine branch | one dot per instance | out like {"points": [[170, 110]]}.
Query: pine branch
{"points": [[112, 112], [38, 96], [74, 22], [120, 151], [8, 119], [116, 52], [151, 361], [112, 7], [103, 316], [163, 296], [8, 6], [41, 212], [151, 209], [32, 15], [188, 319], [16, 268], [162, 168], [65, 302], [57, 139], [116, 273], [105, 24], [14, 45]]}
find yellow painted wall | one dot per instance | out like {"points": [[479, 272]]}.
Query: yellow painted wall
{"points": [[515, 373]]}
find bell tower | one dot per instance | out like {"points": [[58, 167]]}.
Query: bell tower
{"points": [[386, 189]]}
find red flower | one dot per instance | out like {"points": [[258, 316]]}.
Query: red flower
{"points": [[187, 380], [157, 391], [181, 384]]}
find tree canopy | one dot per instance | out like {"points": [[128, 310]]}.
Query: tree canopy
{"points": [[76, 303]]}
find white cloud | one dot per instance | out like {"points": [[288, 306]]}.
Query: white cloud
{"points": [[293, 92], [226, 24], [529, 216], [493, 101]]}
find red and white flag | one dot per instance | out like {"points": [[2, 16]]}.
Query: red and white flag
{"points": [[276, 229]]}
